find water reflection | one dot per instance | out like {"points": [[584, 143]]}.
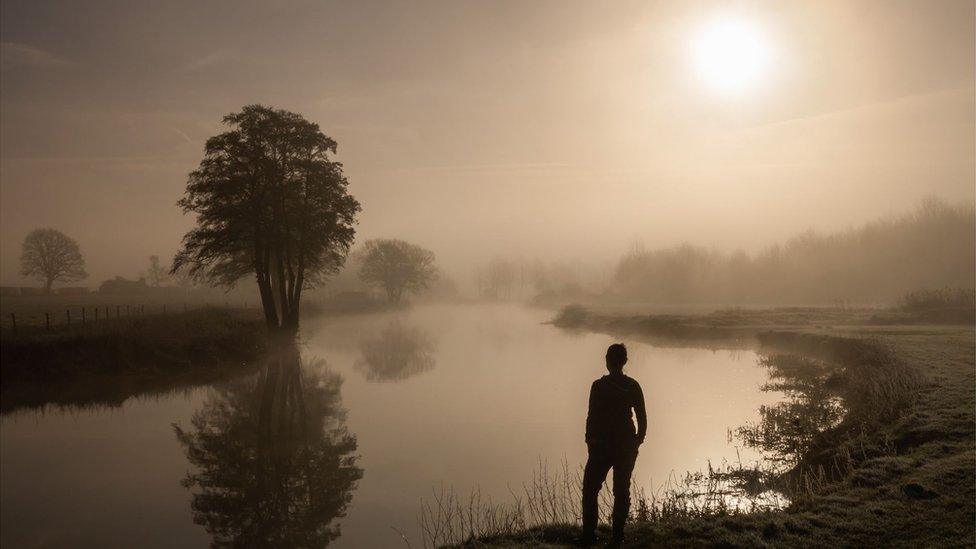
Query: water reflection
{"points": [[396, 353], [273, 463], [246, 470], [787, 429], [103, 391]]}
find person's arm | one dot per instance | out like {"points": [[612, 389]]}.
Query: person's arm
{"points": [[589, 415], [641, 414]]}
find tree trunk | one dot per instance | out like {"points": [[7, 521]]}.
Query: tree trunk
{"points": [[267, 302], [291, 323], [278, 288]]}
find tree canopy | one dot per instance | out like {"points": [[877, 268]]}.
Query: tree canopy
{"points": [[269, 202], [398, 267], [51, 256]]}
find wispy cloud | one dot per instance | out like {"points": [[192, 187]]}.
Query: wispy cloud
{"points": [[182, 134], [13, 54], [209, 60]]}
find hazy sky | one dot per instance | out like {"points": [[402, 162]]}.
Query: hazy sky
{"points": [[565, 130]]}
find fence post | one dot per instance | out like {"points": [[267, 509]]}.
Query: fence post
{"points": [[96, 314], [13, 319], [82, 315], [69, 316], [126, 310], [47, 321]]}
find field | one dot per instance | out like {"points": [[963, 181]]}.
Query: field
{"points": [[105, 362], [61, 311]]}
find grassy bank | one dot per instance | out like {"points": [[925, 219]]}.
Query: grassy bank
{"points": [[893, 465], [106, 362]]}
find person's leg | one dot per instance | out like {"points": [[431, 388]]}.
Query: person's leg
{"points": [[623, 468], [597, 467]]}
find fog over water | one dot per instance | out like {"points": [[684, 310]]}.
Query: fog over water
{"points": [[310, 273], [472, 418], [560, 131]]}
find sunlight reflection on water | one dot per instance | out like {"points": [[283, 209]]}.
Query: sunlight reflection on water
{"points": [[440, 395]]}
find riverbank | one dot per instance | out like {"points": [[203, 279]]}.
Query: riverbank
{"points": [[896, 469], [106, 362]]}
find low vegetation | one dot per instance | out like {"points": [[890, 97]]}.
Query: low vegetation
{"points": [[106, 362], [942, 306]]}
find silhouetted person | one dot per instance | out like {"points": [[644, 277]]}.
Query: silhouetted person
{"points": [[612, 441]]}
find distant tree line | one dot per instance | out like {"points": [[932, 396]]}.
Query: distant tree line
{"points": [[520, 278], [931, 247], [52, 257]]}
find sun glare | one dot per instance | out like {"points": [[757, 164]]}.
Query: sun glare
{"points": [[731, 55]]}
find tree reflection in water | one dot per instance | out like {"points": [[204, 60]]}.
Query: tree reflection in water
{"points": [[810, 407], [273, 461], [396, 353]]}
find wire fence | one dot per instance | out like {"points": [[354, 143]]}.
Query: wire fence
{"points": [[52, 319]]}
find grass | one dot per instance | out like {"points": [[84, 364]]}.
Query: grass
{"points": [[30, 310], [875, 445], [104, 363], [138, 344]]}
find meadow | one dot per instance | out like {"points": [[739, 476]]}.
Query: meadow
{"points": [[105, 362]]}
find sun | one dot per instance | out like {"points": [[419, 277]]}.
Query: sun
{"points": [[731, 55]]}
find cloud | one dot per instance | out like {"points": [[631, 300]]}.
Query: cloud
{"points": [[182, 134], [209, 60], [13, 54]]}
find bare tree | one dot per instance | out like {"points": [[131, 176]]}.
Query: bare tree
{"points": [[398, 267], [156, 273], [51, 256], [501, 276]]}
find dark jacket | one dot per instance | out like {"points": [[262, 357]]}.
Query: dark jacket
{"points": [[609, 421]]}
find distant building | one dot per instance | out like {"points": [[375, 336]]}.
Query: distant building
{"points": [[119, 285], [72, 290]]}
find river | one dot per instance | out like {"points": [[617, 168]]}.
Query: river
{"points": [[453, 397]]}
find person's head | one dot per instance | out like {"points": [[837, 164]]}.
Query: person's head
{"points": [[616, 357]]}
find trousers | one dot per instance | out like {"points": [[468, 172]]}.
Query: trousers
{"points": [[601, 459]]}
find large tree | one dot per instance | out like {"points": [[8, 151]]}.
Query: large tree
{"points": [[51, 256], [270, 202], [398, 267]]}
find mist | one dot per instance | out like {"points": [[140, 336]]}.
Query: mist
{"points": [[562, 134], [500, 273]]}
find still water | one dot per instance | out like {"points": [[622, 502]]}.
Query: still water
{"points": [[394, 406]]}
